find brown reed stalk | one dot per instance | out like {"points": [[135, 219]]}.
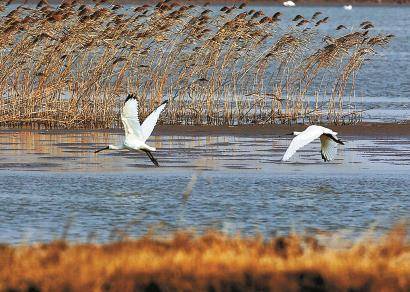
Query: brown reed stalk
{"points": [[71, 66]]}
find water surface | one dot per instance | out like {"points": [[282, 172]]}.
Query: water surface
{"points": [[52, 184]]}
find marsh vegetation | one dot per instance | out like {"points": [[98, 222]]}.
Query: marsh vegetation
{"points": [[211, 262], [70, 65]]}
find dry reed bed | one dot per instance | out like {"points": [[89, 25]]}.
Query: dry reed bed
{"points": [[69, 66], [211, 262]]}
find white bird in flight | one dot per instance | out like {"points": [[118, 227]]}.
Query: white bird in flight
{"points": [[136, 134], [289, 4], [328, 140]]}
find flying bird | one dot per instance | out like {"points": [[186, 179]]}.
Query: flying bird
{"points": [[328, 140], [135, 133]]}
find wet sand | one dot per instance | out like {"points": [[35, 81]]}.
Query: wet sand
{"points": [[382, 130], [362, 130]]}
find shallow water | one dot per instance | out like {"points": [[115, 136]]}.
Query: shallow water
{"points": [[52, 184]]}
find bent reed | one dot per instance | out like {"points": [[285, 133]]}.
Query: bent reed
{"points": [[70, 65], [211, 262]]}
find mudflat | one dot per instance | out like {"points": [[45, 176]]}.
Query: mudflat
{"points": [[365, 129]]}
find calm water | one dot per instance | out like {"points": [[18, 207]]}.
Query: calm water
{"points": [[54, 182]]}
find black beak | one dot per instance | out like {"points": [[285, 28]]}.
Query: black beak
{"points": [[99, 150], [290, 134]]}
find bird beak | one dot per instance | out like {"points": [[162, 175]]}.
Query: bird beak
{"points": [[99, 150], [290, 134]]}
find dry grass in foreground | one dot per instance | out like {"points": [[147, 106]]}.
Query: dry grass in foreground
{"points": [[212, 262]]}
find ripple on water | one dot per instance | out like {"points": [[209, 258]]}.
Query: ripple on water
{"points": [[244, 189]]}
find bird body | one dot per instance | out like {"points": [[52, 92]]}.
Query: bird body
{"points": [[328, 139], [136, 134], [348, 7]]}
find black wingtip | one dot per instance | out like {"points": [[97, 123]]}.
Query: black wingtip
{"points": [[338, 141], [164, 102], [130, 96], [334, 139]]}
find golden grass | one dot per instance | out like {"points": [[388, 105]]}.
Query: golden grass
{"points": [[211, 262], [70, 65]]}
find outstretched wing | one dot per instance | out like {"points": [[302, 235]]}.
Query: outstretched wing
{"points": [[328, 148], [129, 117], [148, 125], [304, 138]]}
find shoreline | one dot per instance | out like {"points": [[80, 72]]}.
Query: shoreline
{"points": [[365, 129]]}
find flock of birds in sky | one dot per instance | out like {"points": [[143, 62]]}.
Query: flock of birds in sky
{"points": [[136, 134]]}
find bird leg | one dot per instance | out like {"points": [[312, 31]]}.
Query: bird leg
{"points": [[99, 150], [149, 154]]}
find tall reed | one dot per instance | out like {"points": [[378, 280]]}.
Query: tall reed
{"points": [[71, 65]]}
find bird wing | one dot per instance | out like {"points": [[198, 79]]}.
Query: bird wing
{"points": [[304, 138], [148, 125], [129, 117], [328, 147]]}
